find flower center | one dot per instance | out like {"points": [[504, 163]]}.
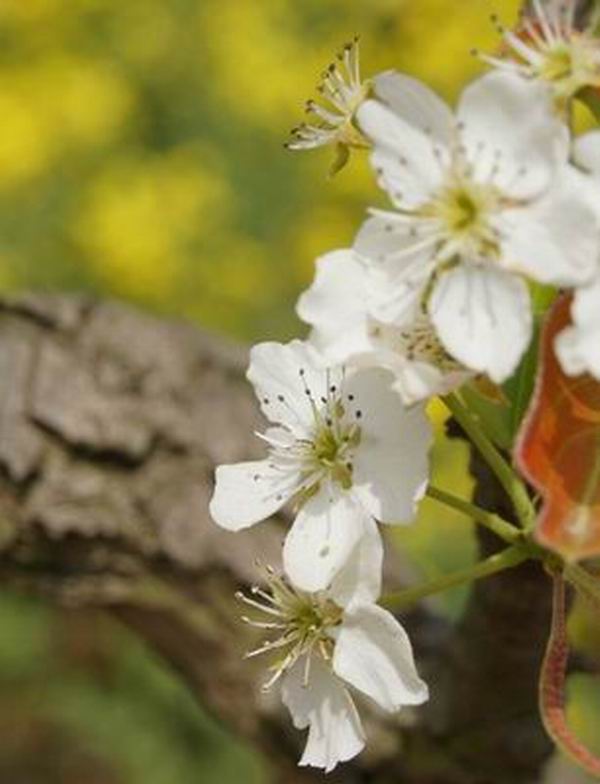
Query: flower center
{"points": [[302, 624], [463, 209], [462, 212], [331, 449], [558, 64], [326, 447], [324, 450], [418, 343]]}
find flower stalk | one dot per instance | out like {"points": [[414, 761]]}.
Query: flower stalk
{"points": [[507, 559], [508, 478], [489, 520]]}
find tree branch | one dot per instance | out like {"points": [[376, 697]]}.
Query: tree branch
{"points": [[111, 424]]}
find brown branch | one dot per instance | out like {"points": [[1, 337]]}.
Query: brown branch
{"points": [[111, 423]]}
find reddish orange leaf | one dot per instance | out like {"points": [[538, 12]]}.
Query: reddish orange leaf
{"points": [[558, 449]]}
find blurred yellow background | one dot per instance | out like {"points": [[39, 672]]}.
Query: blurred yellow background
{"points": [[141, 156], [141, 143]]}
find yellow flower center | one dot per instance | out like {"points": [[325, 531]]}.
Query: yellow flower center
{"points": [[332, 446], [558, 64], [463, 209], [302, 623]]}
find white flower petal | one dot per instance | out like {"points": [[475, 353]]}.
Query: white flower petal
{"points": [[325, 707], [275, 372], [483, 318], [578, 346], [417, 104], [391, 464], [360, 578], [556, 239], [417, 381], [512, 133], [414, 381], [586, 152], [402, 264], [373, 653], [322, 538], [335, 306], [245, 493], [406, 159]]}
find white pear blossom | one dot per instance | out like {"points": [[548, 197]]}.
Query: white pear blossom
{"points": [[484, 200], [323, 642], [339, 307], [342, 92], [547, 46], [578, 346], [342, 449]]}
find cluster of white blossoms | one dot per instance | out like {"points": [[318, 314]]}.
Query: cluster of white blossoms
{"points": [[487, 203]]}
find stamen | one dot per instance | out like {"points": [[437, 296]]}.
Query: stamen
{"points": [[303, 622], [258, 606], [543, 20]]}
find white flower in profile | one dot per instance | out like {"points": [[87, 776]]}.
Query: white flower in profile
{"points": [[484, 200], [547, 46], [578, 346], [326, 641], [343, 450], [339, 306], [342, 91]]}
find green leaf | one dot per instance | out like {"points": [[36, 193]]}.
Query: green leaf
{"points": [[519, 388], [494, 417]]}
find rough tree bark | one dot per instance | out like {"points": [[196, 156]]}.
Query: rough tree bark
{"points": [[111, 423]]}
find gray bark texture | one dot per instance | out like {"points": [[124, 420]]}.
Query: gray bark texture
{"points": [[111, 424]]}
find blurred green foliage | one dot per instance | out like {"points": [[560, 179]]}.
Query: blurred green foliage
{"points": [[141, 156], [83, 700]]}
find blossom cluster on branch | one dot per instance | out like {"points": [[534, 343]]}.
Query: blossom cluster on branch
{"points": [[493, 208]]}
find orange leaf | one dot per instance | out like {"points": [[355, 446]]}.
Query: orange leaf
{"points": [[558, 449]]}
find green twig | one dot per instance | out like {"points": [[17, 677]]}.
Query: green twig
{"points": [[506, 475], [507, 559], [493, 522]]}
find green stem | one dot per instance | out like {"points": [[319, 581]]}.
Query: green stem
{"points": [[507, 559], [506, 475], [493, 522]]}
